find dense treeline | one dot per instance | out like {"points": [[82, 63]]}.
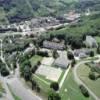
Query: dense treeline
{"points": [[75, 34], [17, 10]]}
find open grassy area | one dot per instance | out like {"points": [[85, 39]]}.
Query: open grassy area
{"points": [[35, 59], [94, 85], [45, 88], [2, 90], [3, 18], [97, 39], [62, 74], [73, 92]]}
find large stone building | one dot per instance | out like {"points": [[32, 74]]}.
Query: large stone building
{"points": [[53, 45]]}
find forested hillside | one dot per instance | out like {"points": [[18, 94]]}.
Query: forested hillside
{"points": [[17, 10]]}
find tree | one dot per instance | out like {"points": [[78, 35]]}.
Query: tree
{"points": [[92, 76], [73, 62], [33, 84], [34, 68], [54, 86], [92, 54], [55, 54], [4, 71], [84, 91], [38, 88], [27, 73], [57, 96], [53, 96], [98, 49], [70, 55]]}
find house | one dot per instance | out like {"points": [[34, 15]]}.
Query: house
{"points": [[62, 61], [81, 53], [53, 45], [91, 42]]}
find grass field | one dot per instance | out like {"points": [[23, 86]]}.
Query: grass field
{"points": [[73, 92], [35, 59], [1, 88], [83, 72], [97, 39], [3, 19], [45, 88]]}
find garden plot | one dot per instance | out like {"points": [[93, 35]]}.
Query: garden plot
{"points": [[47, 61], [50, 73]]}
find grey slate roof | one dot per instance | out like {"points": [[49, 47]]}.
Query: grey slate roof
{"points": [[53, 45], [62, 61]]}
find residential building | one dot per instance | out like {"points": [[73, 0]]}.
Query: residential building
{"points": [[81, 53], [53, 45]]}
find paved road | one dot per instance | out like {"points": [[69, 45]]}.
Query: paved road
{"points": [[79, 82], [19, 90], [8, 95]]}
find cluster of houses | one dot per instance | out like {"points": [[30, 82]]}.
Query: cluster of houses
{"points": [[81, 53], [62, 60]]}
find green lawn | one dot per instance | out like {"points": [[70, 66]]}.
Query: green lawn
{"points": [[63, 71], [45, 88], [83, 72], [1, 88], [35, 59], [3, 18], [97, 39], [73, 92]]}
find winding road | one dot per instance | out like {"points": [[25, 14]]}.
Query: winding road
{"points": [[80, 82]]}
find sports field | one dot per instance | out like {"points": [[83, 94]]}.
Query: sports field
{"points": [[50, 73]]}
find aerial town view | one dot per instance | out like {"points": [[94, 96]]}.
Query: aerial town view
{"points": [[49, 49]]}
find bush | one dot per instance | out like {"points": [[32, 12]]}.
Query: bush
{"points": [[92, 76], [70, 56], [4, 71], [91, 54], [54, 86], [43, 53], [84, 91]]}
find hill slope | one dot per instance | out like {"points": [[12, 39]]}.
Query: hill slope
{"points": [[17, 10]]}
